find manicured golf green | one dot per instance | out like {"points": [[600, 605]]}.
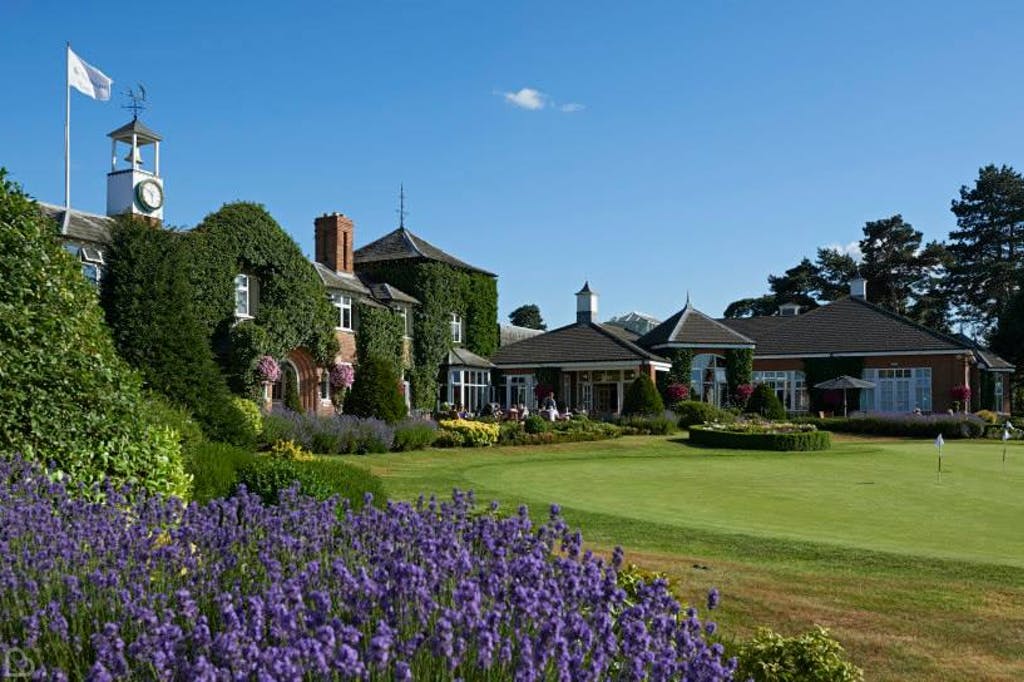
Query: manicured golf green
{"points": [[919, 577]]}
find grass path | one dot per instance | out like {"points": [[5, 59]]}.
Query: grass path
{"points": [[918, 579]]}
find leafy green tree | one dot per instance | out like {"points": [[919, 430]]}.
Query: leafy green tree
{"points": [[752, 307], [67, 398], [148, 300], [642, 398], [527, 316], [988, 246], [375, 392]]}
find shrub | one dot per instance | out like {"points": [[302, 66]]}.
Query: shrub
{"points": [[536, 424], [572, 431], [329, 435], [693, 412], [987, 416], [161, 412], [647, 425], [743, 393], [765, 403], [287, 449], [66, 397], [752, 440], [414, 434], [811, 657], [214, 469], [269, 477], [250, 424], [381, 591], [903, 425], [470, 434], [642, 398], [375, 392], [676, 393]]}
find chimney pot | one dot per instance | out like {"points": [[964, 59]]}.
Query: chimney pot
{"points": [[334, 236]]}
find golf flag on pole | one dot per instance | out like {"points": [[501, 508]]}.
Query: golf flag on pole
{"points": [[939, 442], [87, 79]]}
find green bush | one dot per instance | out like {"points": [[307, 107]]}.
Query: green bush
{"points": [[466, 433], [414, 434], [903, 426], [536, 424], [647, 425], [798, 441], [66, 398], [811, 657], [375, 392], [573, 431], [764, 402], [693, 412], [642, 398], [268, 477], [250, 424], [214, 468], [161, 412]]}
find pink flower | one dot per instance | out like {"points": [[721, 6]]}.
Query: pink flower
{"points": [[342, 375], [961, 392], [743, 392], [268, 369], [677, 392]]}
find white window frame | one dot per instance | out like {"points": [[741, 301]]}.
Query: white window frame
{"points": [[324, 389], [456, 326], [243, 283], [405, 314], [344, 305], [469, 389]]}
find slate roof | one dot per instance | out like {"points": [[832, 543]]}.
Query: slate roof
{"points": [[986, 357], [139, 128], [586, 342], [388, 293], [87, 227], [402, 244], [340, 280], [510, 333], [691, 327], [459, 356], [849, 325]]}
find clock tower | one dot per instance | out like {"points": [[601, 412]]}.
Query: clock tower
{"points": [[132, 189]]}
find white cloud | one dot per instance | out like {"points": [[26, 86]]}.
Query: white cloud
{"points": [[527, 98], [532, 99], [852, 250]]}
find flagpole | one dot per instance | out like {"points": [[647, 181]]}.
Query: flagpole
{"points": [[67, 138]]}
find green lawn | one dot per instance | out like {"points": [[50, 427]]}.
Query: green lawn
{"points": [[919, 578]]}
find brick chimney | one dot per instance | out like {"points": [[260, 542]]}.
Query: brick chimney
{"points": [[334, 232]]}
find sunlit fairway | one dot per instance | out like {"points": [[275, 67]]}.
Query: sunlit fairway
{"points": [[921, 578]]}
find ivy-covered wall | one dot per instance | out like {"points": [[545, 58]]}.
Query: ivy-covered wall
{"points": [[380, 335], [817, 370], [739, 368], [291, 306], [442, 290]]}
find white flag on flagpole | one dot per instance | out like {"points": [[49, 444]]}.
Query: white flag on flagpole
{"points": [[939, 442], [87, 79]]}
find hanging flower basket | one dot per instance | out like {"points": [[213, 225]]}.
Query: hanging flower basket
{"points": [[268, 369], [342, 375]]}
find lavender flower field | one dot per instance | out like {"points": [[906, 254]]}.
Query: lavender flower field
{"points": [[233, 590]]}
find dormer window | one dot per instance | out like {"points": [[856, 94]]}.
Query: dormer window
{"points": [[456, 327], [243, 296], [344, 306]]}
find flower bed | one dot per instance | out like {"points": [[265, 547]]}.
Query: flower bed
{"points": [[455, 433], [908, 426], [238, 590], [752, 436], [542, 432]]}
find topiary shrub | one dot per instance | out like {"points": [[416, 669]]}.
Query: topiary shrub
{"points": [[764, 402], [811, 657], [66, 398], [642, 398], [693, 412], [375, 392]]}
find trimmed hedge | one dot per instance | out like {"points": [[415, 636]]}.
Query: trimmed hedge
{"points": [[647, 425], [908, 426], [785, 442], [375, 392], [268, 477]]}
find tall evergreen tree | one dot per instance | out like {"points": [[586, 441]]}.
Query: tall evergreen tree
{"points": [[835, 269], [892, 262], [527, 316], [988, 246], [796, 285]]}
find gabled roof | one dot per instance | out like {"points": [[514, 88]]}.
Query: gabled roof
{"points": [[401, 244], [87, 227], [986, 357], [340, 280], [387, 293], [574, 343], [692, 328], [462, 357], [845, 326]]}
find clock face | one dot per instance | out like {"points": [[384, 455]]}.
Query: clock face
{"points": [[150, 194]]}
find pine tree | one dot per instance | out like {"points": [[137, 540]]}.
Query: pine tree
{"points": [[527, 316]]}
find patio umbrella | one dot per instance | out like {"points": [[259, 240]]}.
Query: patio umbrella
{"points": [[844, 383]]}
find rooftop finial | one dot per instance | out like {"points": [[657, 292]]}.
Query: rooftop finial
{"points": [[401, 205], [687, 298], [137, 96]]}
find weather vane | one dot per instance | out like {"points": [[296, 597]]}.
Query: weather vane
{"points": [[401, 205], [137, 96]]}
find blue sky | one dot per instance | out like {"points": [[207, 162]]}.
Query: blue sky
{"points": [[679, 146]]}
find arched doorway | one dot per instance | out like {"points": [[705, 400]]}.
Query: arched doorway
{"points": [[287, 383], [707, 375]]}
